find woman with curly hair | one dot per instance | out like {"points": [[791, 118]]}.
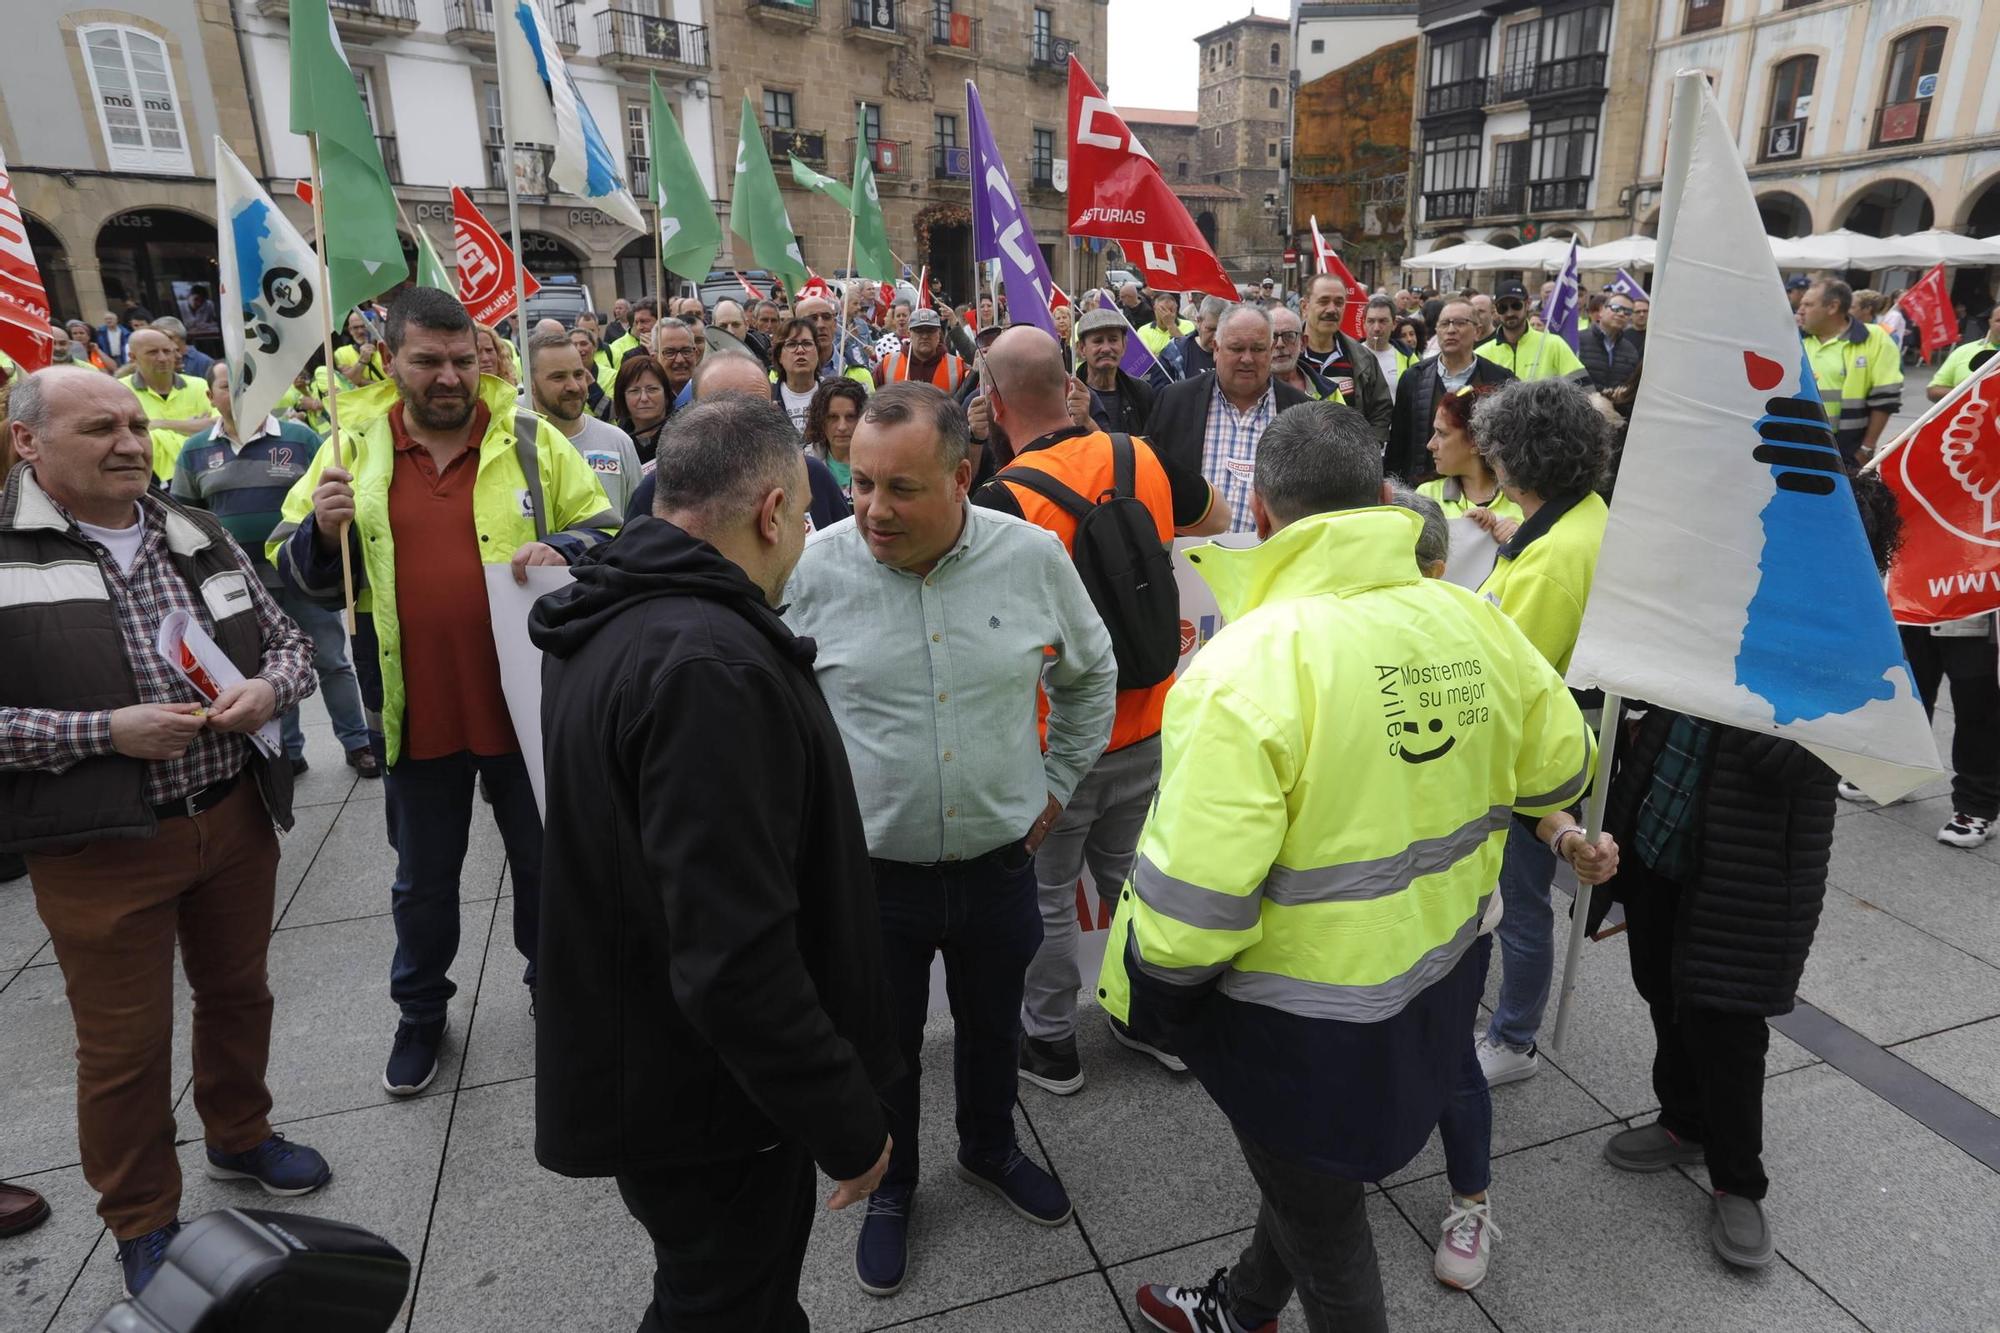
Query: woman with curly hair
{"points": [[831, 417], [640, 402], [1548, 444]]}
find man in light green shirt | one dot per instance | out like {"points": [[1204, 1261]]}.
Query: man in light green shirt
{"points": [[1530, 353], [934, 622], [1958, 365]]}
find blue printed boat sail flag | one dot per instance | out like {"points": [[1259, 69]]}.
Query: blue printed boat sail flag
{"points": [[544, 106], [270, 301], [1735, 581]]}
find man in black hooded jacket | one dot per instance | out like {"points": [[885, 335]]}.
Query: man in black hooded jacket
{"points": [[712, 1016]]}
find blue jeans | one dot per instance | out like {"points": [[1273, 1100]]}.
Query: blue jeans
{"points": [[338, 688], [1466, 1127], [429, 809], [985, 916], [1527, 938]]}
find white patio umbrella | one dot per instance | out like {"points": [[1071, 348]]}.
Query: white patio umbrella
{"points": [[1549, 254], [1625, 252], [1839, 249], [1936, 246], [1453, 256]]}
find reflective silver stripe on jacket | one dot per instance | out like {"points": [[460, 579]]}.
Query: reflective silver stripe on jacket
{"points": [[1191, 904], [1352, 1004], [1362, 881]]}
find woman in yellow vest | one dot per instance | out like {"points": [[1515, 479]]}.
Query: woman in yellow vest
{"points": [[1465, 483]]}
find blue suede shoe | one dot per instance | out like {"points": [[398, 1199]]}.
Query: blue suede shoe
{"points": [[882, 1255], [1026, 1188], [282, 1167], [140, 1257]]}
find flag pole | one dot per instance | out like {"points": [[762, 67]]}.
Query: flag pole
{"points": [[1680, 150], [847, 284], [1937, 409], [332, 375], [513, 197]]}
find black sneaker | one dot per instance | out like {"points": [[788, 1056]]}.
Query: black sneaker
{"points": [[140, 1257], [413, 1060], [1158, 1050], [299, 765], [1051, 1065], [1020, 1184]]}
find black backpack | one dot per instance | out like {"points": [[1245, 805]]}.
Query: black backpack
{"points": [[1127, 572]]}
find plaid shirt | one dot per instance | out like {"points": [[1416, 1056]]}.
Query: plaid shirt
{"points": [[1229, 451], [1664, 835], [54, 740]]}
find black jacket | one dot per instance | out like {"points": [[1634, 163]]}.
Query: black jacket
{"points": [[827, 507], [1416, 403], [1180, 419], [711, 976], [1371, 396], [1135, 396], [1610, 369], [1750, 908]]}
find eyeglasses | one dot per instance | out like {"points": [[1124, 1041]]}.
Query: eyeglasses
{"points": [[1454, 324], [1284, 337], [677, 354], [797, 345], [1619, 309]]}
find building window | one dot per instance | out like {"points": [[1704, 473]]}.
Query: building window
{"points": [[1271, 150], [1517, 59], [137, 107], [1229, 54], [1791, 101], [1457, 79], [1702, 15], [944, 128], [1217, 141], [495, 129], [1044, 36], [1319, 46], [1907, 87], [1274, 99], [1276, 59], [1043, 158], [1573, 50], [1450, 175], [871, 122], [1180, 169], [1561, 156], [778, 110]]}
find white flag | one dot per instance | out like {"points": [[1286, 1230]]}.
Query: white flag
{"points": [[270, 293], [1735, 581], [544, 107]]}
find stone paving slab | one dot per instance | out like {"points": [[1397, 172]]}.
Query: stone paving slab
{"points": [[1966, 1060]]}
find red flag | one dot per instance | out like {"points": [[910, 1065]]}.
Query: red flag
{"points": [[485, 264], [755, 295], [1947, 485], [816, 286], [885, 301], [1928, 304], [1357, 303], [304, 190], [924, 288], [1116, 191], [24, 303], [1058, 298]]}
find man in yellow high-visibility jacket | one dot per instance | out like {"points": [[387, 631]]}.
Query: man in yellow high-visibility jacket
{"points": [[1857, 366], [1340, 767], [176, 404]]}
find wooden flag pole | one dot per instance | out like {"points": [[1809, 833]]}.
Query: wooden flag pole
{"points": [[332, 374], [840, 306], [513, 199]]}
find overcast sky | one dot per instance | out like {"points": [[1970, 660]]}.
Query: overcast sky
{"points": [[1152, 46]]}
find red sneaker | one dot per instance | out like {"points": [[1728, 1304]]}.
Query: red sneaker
{"points": [[1200, 1309]]}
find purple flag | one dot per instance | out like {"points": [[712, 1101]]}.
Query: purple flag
{"points": [[1137, 361], [1000, 230], [1559, 316], [1626, 285]]}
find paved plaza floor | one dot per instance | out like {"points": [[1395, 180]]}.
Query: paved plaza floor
{"points": [[1883, 1220]]}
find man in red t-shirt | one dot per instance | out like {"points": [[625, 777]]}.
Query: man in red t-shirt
{"points": [[1028, 395]]}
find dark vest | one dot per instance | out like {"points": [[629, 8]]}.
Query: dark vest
{"points": [[63, 649]]}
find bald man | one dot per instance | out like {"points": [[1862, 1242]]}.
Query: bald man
{"points": [[735, 371], [1028, 398], [730, 319], [554, 326], [176, 404]]}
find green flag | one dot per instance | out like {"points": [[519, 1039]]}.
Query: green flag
{"points": [[825, 185], [871, 235], [690, 236], [363, 254], [756, 209], [431, 271]]}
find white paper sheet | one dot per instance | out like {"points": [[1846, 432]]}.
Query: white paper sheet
{"points": [[520, 660]]}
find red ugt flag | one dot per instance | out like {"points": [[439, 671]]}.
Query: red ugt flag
{"points": [[1116, 191], [1357, 296], [485, 264], [1928, 305], [1947, 485], [24, 302]]}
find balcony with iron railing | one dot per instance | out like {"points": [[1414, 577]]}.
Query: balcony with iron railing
{"points": [[785, 13], [1510, 85], [1449, 205], [878, 21], [1503, 200], [639, 175], [1562, 195], [469, 23], [1042, 172], [951, 163], [1443, 99], [953, 34], [890, 157], [805, 145], [357, 20], [1048, 55], [1899, 123], [392, 161], [531, 163], [1571, 74], [631, 40]]}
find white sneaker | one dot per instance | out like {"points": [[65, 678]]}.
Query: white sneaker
{"points": [[1467, 1246], [1501, 1063], [1967, 831], [1850, 792]]}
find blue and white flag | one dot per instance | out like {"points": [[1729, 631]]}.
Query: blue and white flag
{"points": [[270, 293], [544, 106], [1626, 285], [1000, 228], [1560, 315], [1756, 604]]}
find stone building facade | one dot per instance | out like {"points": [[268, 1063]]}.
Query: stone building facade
{"points": [[1244, 119]]}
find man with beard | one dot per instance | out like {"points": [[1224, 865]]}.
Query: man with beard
{"points": [[1342, 361], [1287, 367], [1530, 353], [436, 473], [561, 384]]}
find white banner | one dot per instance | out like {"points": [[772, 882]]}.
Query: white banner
{"points": [[520, 661]]}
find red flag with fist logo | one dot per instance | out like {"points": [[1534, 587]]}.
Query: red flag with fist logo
{"points": [[1116, 191], [1928, 304], [24, 302], [1947, 485]]}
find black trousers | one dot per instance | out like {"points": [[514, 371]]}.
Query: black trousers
{"points": [[1708, 1065], [1970, 666], [729, 1239], [1312, 1237]]}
